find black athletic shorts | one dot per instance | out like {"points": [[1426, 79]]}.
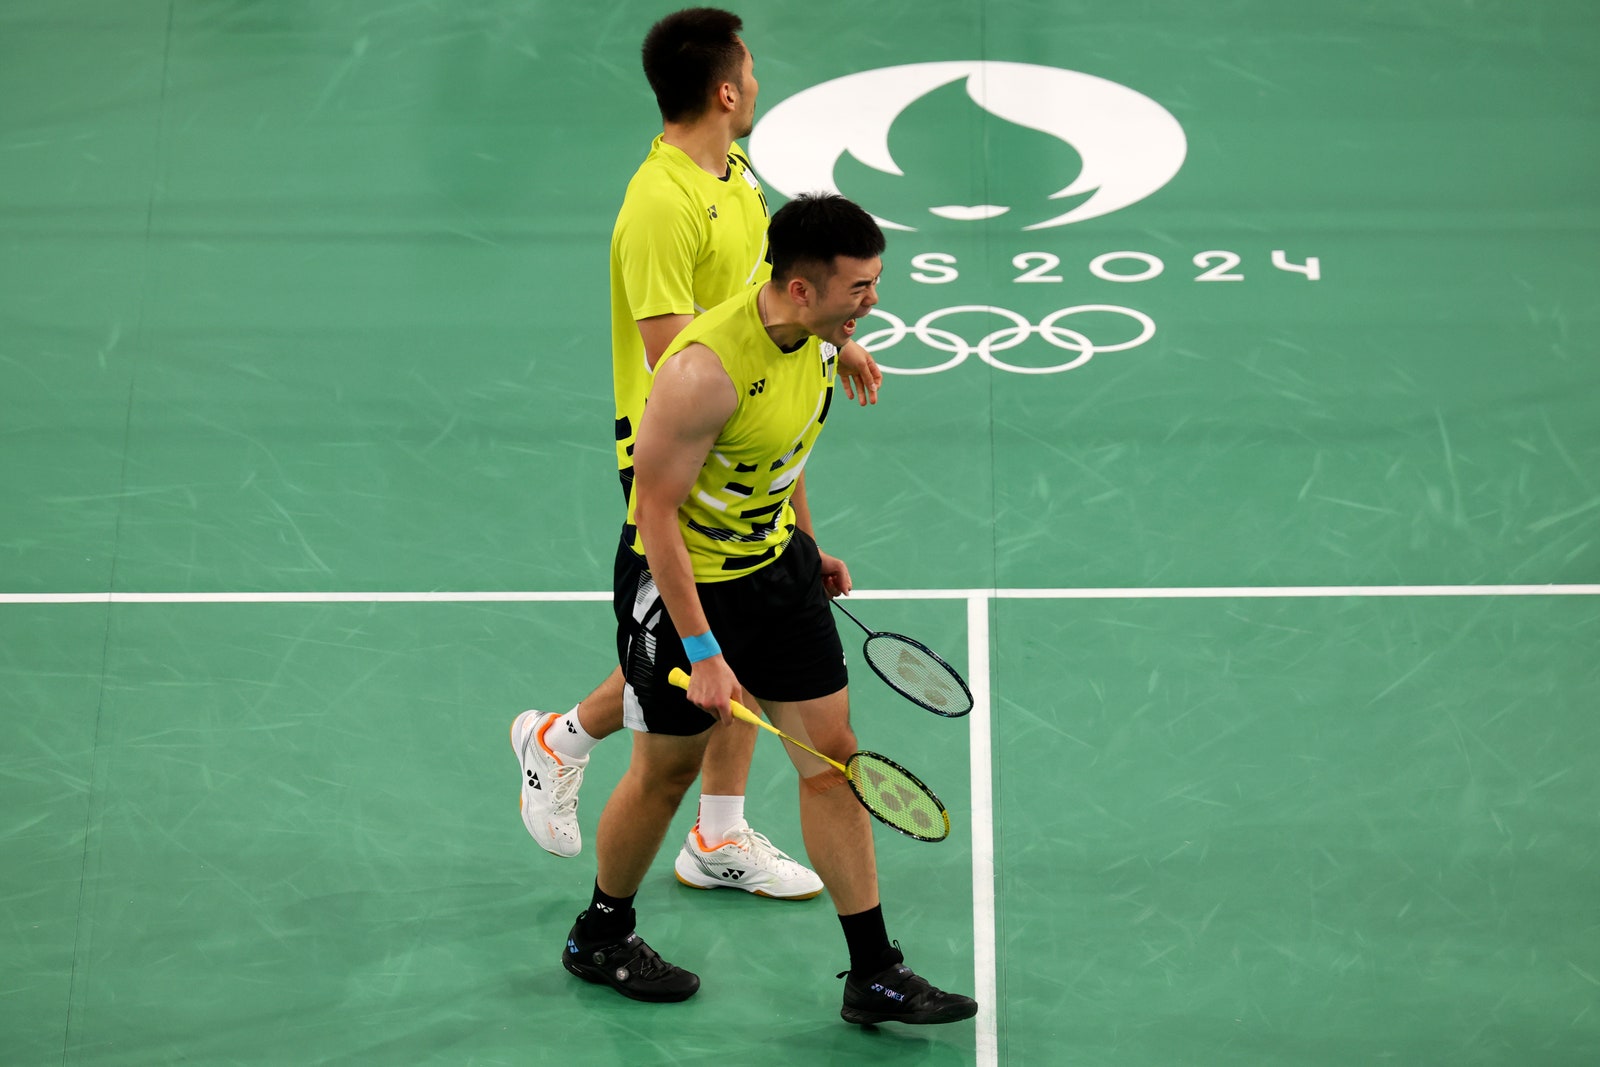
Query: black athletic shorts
{"points": [[774, 626]]}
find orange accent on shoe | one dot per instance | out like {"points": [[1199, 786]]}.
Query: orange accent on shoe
{"points": [[700, 842], [539, 737]]}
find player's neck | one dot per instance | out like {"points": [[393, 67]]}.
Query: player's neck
{"points": [[706, 143], [781, 318]]}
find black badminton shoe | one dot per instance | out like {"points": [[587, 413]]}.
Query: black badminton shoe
{"points": [[629, 966], [897, 994]]}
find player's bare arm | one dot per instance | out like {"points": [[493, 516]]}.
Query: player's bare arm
{"points": [[658, 332], [691, 400]]}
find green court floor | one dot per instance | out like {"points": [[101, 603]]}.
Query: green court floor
{"points": [[306, 490]]}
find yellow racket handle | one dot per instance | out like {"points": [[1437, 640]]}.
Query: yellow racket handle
{"points": [[678, 678]]}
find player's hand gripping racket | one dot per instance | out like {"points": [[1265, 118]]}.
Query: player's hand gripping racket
{"points": [[893, 795], [914, 671]]}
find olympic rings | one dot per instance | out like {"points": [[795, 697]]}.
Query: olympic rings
{"points": [[1007, 337]]}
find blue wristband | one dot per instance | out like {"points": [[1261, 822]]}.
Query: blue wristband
{"points": [[703, 646]]}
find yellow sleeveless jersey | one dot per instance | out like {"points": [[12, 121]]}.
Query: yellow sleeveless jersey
{"points": [[738, 517], [683, 243]]}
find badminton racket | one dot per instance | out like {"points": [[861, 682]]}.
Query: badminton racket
{"points": [[893, 795], [914, 670]]}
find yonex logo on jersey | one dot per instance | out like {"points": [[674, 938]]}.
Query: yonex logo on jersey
{"points": [[712, 211], [759, 386], [1115, 146]]}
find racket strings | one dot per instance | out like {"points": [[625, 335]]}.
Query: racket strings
{"points": [[917, 674], [897, 797]]}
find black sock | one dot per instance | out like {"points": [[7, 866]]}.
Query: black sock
{"points": [[609, 919], [870, 951]]}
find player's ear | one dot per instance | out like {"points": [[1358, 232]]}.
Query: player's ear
{"points": [[800, 291]]}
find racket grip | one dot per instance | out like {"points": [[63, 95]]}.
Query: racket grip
{"points": [[678, 678]]}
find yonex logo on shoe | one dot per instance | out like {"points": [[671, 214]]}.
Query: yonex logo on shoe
{"points": [[879, 987], [733, 874], [533, 780]]}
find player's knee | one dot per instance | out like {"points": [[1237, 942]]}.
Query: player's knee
{"points": [[818, 784], [837, 743], [666, 765], [675, 779]]}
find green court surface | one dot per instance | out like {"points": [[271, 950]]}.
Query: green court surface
{"points": [[1282, 601]]}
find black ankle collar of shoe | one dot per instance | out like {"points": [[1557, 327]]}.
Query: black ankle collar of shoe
{"points": [[891, 959], [607, 940]]}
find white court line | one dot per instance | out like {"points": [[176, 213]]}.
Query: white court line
{"points": [[984, 945], [515, 596], [1286, 591], [491, 597]]}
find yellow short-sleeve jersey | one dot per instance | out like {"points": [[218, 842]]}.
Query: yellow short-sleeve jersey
{"points": [[684, 242]]}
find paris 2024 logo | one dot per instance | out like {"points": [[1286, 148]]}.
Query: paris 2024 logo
{"points": [[920, 147]]}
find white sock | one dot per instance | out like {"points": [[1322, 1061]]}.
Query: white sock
{"points": [[718, 817], [567, 737]]}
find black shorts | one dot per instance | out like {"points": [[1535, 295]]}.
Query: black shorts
{"points": [[774, 626]]}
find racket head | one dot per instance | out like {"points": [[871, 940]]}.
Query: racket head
{"points": [[919, 674], [896, 797]]}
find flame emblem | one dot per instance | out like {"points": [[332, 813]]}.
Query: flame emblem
{"points": [[1130, 146]]}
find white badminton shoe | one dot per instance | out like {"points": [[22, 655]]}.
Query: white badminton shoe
{"points": [[550, 785], [747, 861]]}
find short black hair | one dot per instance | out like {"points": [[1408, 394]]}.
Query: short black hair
{"points": [[813, 228], [687, 55]]}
